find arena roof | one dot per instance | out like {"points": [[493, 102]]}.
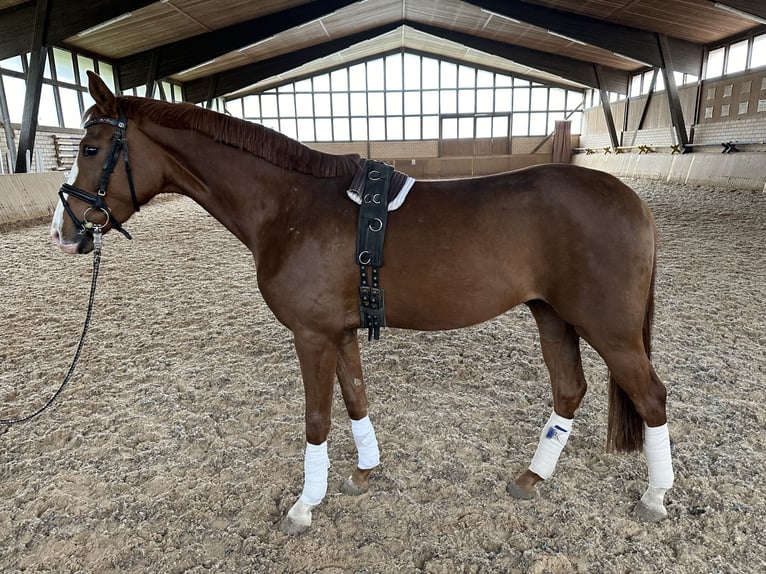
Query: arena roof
{"points": [[225, 47]]}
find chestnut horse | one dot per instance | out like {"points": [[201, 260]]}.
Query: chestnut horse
{"points": [[576, 246]]}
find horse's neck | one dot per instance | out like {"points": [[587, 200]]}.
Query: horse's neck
{"points": [[238, 189]]}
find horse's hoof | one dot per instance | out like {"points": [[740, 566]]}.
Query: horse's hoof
{"points": [[351, 488], [298, 519], [646, 513], [292, 528], [519, 493]]}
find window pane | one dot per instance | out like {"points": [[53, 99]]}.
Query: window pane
{"points": [[15, 89], [47, 70], [557, 99], [411, 72], [359, 105], [269, 105], [500, 126], [306, 130], [521, 99], [714, 63], [322, 83], [466, 77], [430, 73], [635, 85], [47, 114], [321, 106], [85, 65], [448, 101], [393, 103], [449, 128], [539, 99], [234, 107], [448, 75], [552, 118], [520, 125], [737, 57], [430, 127], [484, 79], [759, 52], [177, 94], [13, 63], [376, 103], [303, 85], [341, 131], [324, 129], [466, 101], [431, 102], [87, 101], [286, 106], [107, 74], [484, 127], [412, 128], [64, 65], [359, 129], [411, 103], [339, 79], [537, 125], [503, 100], [574, 99], [340, 104], [288, 128], [252, 107], [304, 105], [465, 127], [503, 81], [484, 100], [271, 123], [395, 128], [375, 75], [394, 72], [287, 88], [377, 129], [70, 108], [356, 76]]}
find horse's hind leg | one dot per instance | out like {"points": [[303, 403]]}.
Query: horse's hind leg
{"points": [[349, 371], [561, 352]]}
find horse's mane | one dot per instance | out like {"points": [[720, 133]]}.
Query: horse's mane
{"points": [[261, 141]]}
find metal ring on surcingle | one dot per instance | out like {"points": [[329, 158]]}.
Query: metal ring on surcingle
{"points": [[364, 258], [378, 227]]}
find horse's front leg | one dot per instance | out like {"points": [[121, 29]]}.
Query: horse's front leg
{"points": [[349, 371], [317, 355]]}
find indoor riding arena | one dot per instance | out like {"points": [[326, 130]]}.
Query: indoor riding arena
{"points": [[178, 444]]}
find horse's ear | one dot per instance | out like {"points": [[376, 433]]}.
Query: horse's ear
{"points": [[102, 95]]}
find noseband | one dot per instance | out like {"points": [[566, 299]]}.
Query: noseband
{"points": [[97, 201]]}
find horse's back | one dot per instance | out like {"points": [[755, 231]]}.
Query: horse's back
{"points": [[467, 250]]}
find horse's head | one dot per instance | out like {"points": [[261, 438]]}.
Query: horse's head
{"points": [[101, 193]]}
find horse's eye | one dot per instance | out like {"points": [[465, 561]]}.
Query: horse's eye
{"points": [[89, 150]]}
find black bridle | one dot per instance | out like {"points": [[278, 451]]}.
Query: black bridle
{"points": [[97, 201]]}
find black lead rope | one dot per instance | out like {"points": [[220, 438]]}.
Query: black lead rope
{"points": [[88, 315]]}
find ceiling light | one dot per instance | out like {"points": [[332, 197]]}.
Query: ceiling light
{"points": [[564, 37], [491, 13], [104, 24], [253, 45], [740, 13], [198, 66], [623, 56]]}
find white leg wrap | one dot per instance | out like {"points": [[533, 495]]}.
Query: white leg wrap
{"points": [[658, 459], [366, 443], [315, 467], [552, 440]]}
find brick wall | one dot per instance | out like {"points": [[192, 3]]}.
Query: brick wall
{"points": [[43, 143]]}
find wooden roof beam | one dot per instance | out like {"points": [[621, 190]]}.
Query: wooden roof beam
{"points": [[579, 71], [622, 40], [244, 76], [17, 23], [178, 56]]}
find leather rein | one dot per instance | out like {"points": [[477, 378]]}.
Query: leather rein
{"points": [[97, 203]]}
